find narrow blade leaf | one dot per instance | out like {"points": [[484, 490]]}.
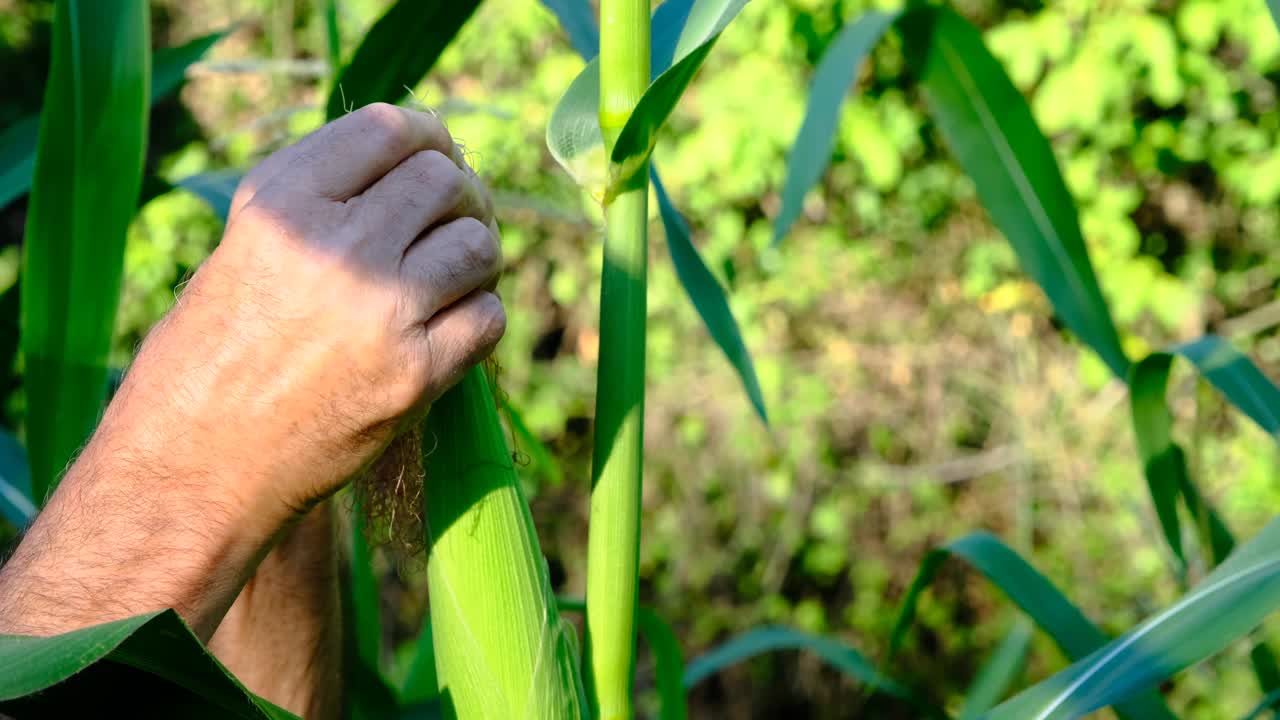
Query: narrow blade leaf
{"points": [[1226, 605], [1162, 460], [1034, 594], [989, 127], [708, 297], [668, 663], [397, 51], [999, 671], [758, 641], [811, 151], [34, 672], [1236, 377], [215, 187], [579, 23], [707, 19], [16, 505], [18, 141], [88, 174]]}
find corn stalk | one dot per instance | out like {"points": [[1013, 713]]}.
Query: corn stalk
{"points": [[614, 545]]}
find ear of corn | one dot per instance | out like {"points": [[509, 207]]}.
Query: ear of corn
{"points": [[502, 649]]}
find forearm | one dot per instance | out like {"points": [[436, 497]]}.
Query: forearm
{"points": [[121, 537], [283, 636]]}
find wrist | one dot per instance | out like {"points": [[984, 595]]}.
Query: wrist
{"points": [[143, 533]]}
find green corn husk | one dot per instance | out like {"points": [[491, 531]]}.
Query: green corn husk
{"points": [[502, 650]]}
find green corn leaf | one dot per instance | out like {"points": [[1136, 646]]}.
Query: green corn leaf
{"points": [[668, 663], [811, 151], [1034, 594], [683, 33], [332, 36], [1236, 377], [156, 654], [1000, 671], [990, 129], [397, 52], [1270, 700], [16, 505], [630, 155], [767, 639], [215, 187], [708, 297], [1229, 603], [1273, 6], [421, 682], [18, 141], [1162, 460], [364, 596], [502, 650], [18, 157], [579, 24], [88, 173], [575, 121]]}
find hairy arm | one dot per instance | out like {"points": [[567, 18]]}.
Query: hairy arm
{"points": [[351, 288], [283, 635]]}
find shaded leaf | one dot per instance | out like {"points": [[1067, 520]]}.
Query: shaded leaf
{"points": [[215, 187], [421, 683], [579, 23], [762, 640], [159, 644], [1162, 460], [16, 505], [1237, 378], [1000, 671], [668, 663]]}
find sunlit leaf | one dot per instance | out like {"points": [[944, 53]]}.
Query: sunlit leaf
{"points": [[992, 133], [397, 52], [706, 20], [1226, 605], [18, 141], [87, 179], [1034, 594]]}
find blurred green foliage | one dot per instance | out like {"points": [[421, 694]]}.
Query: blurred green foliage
{"points": [[917, 386]]}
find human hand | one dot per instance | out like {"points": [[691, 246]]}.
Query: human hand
{"points": [[352, 287]]}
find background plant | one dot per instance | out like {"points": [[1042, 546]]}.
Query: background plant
{"points": [[880, 447]]}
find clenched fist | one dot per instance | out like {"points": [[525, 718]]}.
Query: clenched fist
{"points": [[353, 286]]}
